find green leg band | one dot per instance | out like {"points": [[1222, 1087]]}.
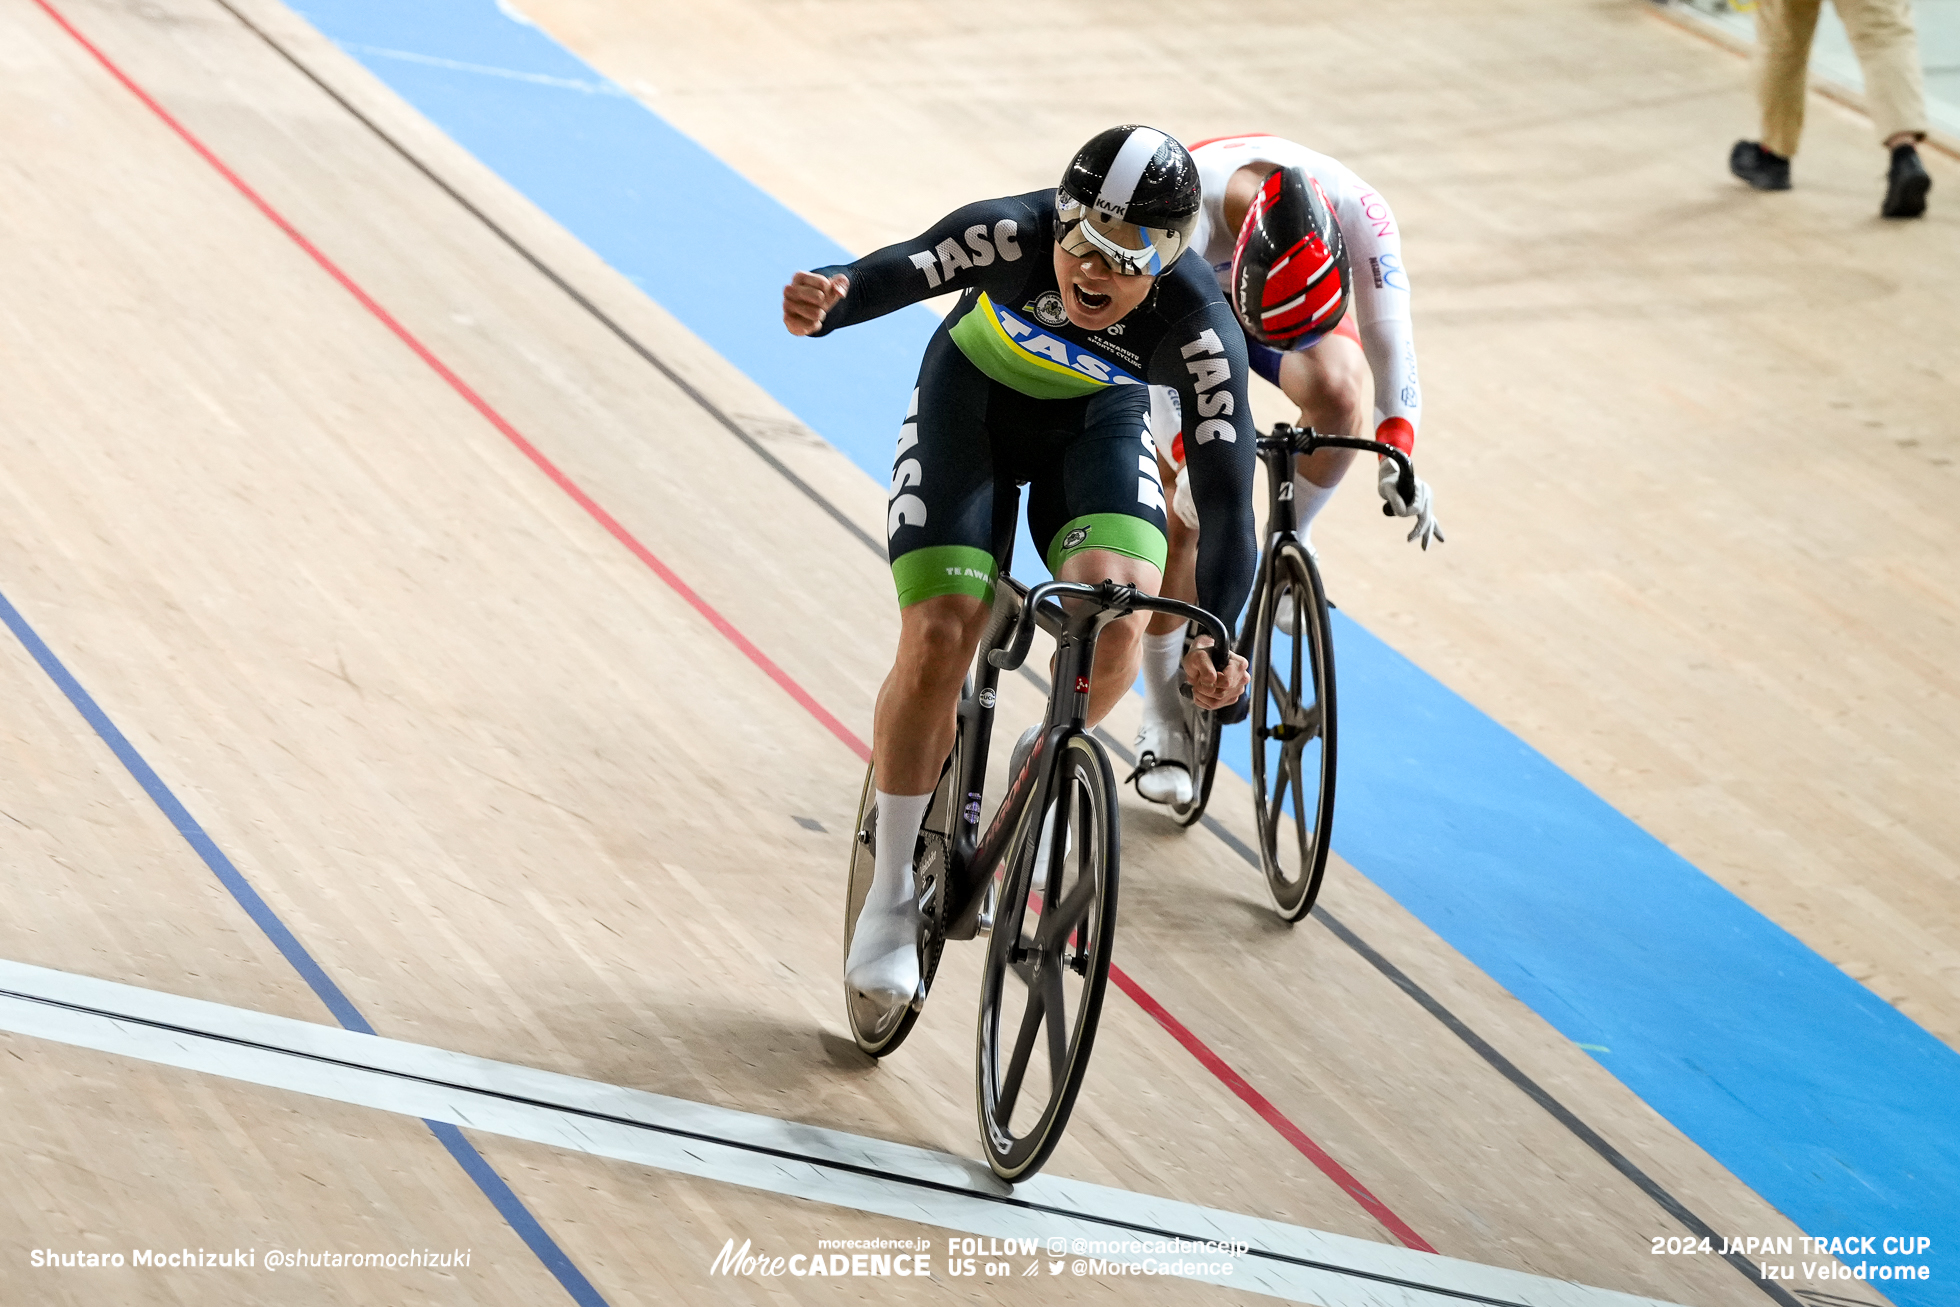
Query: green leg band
{"points": [[1117, 532], [947, 570]]}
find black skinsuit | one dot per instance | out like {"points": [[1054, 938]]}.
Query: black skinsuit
{"points": [[1010, 391]]}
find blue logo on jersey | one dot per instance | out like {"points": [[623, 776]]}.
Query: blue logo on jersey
{"points": [[1036, 341]]}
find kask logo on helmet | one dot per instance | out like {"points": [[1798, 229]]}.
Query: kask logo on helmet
{"points": [[1136, 176]]}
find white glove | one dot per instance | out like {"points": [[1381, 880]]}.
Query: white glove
{"points": [[1181, 501], [1422, 510]]}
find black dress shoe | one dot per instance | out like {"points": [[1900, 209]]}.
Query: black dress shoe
{"points": [[1906, 185], [1757, 166]]}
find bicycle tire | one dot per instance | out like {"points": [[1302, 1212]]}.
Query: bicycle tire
{"points": [[1292, 736], [1073, 931], [879, 1033]]}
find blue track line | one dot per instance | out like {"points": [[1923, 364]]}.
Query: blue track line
{"points": [[1836, 1108], [500, 1195]]}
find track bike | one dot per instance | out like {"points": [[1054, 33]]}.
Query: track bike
{"points": [[1290, 647], [1039, 882]]}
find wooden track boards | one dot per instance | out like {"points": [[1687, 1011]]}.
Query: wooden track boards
{"points": [[521, 801], [1698, 440]]}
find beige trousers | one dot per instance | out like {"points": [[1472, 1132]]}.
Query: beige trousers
{"points": [[1882, 36]]}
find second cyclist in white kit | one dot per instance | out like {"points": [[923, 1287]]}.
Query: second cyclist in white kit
{"points": [[1296, 239]]}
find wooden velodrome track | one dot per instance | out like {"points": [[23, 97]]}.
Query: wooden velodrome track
{"points": [[520, 799]]}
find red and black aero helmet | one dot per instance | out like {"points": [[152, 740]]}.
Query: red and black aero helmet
{"points": [[1290, 278]]}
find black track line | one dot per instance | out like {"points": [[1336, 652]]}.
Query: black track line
{"points": [[1531, 1089], [1395, 975]]}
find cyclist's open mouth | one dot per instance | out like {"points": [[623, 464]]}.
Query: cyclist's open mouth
{"points": [[1089, 300]]}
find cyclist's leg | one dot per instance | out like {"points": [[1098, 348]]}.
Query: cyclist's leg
{"points": [[1163, 773], [940, 532], [1099, 515], [940, 529], [1331, 384], [912, 728], [1164, 767], [1181, 559]]}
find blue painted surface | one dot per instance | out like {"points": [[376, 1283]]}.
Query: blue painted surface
{"points": [[1833, 1106], [507, 1203], [678, 222], [1817, 1093]]}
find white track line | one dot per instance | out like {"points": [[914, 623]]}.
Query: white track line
{"points": [[758, 1152]]}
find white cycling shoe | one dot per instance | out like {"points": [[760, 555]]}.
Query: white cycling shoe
{"points": [[1163, 771], [883, 964], [1283, 613]]}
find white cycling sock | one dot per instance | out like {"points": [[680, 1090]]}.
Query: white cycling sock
{"points": [[1162, 656], [1308, 500], [884, 957]]}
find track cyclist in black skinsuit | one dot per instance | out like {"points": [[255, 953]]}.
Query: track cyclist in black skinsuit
{"points": [[1073, 302]]}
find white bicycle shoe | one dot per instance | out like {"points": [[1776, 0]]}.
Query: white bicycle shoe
{"points": [[883, 963], [1163, 771]]}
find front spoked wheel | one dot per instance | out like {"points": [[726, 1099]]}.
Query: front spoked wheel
{"points": [[1293, 731], [879, 1030], [1048, 964]]}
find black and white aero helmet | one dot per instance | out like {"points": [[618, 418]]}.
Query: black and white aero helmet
{"points": [[1131, 195]]}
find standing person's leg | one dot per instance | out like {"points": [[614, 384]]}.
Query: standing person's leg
{"points": [[1887, 47], [1784, 29], [1783, 33]]}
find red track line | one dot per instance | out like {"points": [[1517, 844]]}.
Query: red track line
{"points": [[1259, 1103], [1197, 1047], [477, 402]]}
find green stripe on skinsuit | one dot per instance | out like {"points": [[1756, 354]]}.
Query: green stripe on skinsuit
{"points": [[1117, 532], [988, 347], [944, 570]]}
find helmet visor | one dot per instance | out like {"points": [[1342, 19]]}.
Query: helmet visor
{"points": [[1129, 249]]}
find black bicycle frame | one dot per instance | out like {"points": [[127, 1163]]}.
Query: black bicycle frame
{"points": [[975, 856]]}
